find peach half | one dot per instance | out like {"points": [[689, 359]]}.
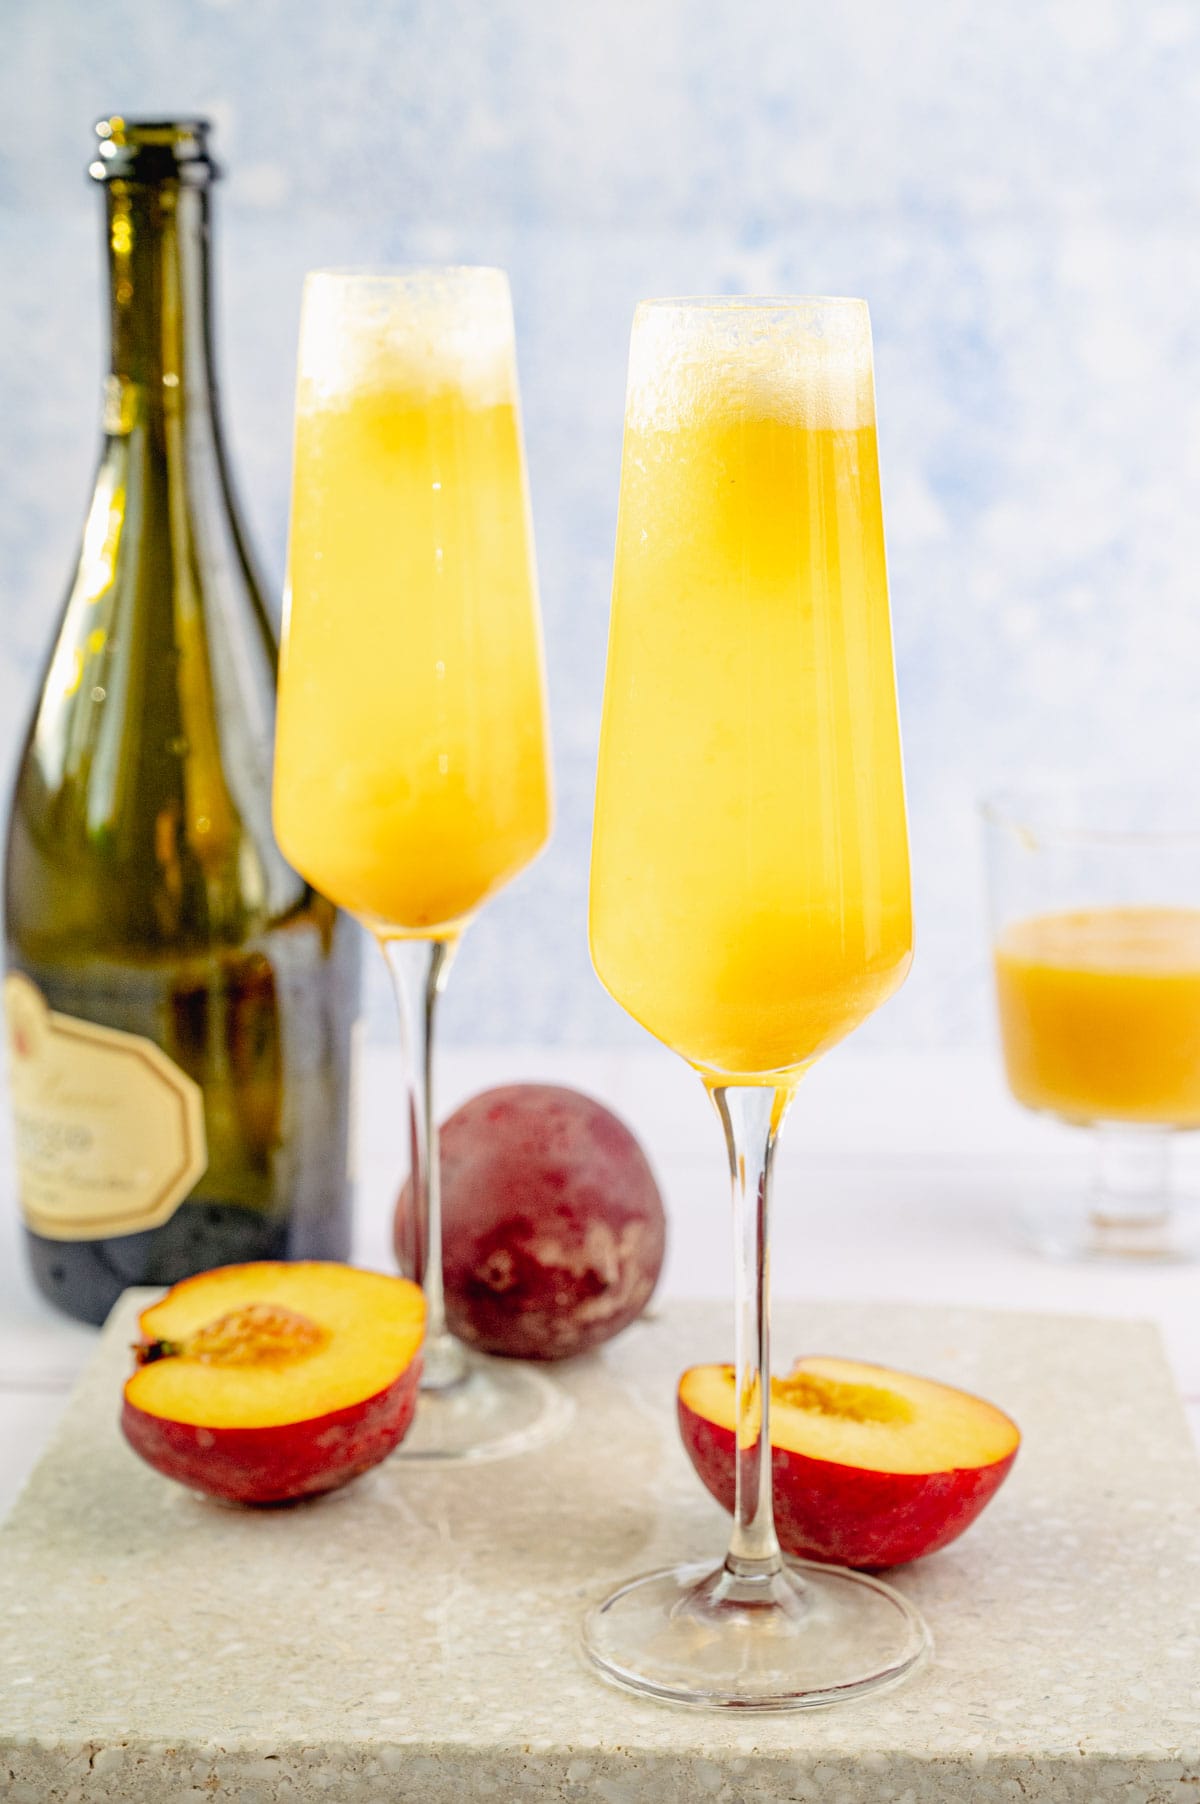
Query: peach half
{"points": [[268, 1382], [871, 1467]]}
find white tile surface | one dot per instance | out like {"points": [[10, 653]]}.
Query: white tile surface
{"points": [[397, 1627]]}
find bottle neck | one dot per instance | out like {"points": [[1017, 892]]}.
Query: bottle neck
{"points": [[161, 364]]}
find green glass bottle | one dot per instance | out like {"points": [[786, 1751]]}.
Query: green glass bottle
{"points": [[179, 1002]]}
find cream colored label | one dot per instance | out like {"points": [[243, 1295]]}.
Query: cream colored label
{"points": [[110, 1132]]}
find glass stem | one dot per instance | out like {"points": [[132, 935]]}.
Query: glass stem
{"points": [[752, 1116], [419, 970], [1131, 1175]]}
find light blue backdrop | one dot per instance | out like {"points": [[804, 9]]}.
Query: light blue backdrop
{"points": [[1015, 188]]}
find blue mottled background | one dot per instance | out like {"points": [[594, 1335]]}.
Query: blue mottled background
{"points": [[1015, 188]]}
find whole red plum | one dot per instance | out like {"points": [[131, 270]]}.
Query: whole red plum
{"points": [[552, 1224]]}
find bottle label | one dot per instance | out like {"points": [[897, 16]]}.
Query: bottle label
{"points": [[109, 1131]]}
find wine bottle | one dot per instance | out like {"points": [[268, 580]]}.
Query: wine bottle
{"points": [[179, 1002]]}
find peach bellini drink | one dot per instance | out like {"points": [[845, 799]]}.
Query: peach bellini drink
{"points": [[750, 885], [1100, 1014], [1096, 960], [412, 757], [413, 730], [750, 899]]}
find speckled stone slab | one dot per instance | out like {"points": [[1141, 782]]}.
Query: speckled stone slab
{"points": [[415, 1637]]}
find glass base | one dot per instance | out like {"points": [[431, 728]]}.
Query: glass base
{"points": [[497, 1410], [813, 1636], [1080, 1228]]}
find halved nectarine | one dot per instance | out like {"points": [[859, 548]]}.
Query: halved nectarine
{"points": [[871, 1467], [267, 1382]]}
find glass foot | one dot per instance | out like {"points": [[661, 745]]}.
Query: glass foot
{"points": [[1075, 1228], [813, 1636], [497, 1410]]}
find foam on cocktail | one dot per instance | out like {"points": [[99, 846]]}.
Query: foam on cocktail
{"points": [[695, 365], [419, 332]]}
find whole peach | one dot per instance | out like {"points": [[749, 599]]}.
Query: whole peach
{"points": [[552, 1224]]}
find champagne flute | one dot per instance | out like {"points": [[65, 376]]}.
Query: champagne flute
{"points": [[411, 764], [750, 887]]}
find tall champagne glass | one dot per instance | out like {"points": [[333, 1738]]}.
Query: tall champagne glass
{"points": [[411, 758], [750, 885]]}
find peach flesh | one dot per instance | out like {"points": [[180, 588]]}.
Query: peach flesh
{"points": [[871, 1467]]}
